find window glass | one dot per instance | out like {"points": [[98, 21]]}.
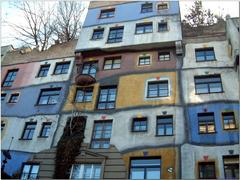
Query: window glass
{"points": [[165, 125], [164, 56], [206, 54], [10, 77], [229, 120], [107, 13], [107, 98], [139, 124], [207, 170], [62, 68], [86, 171], [206, 123], [13, 98], [143, 28], [97, 34], [115, 35], [49, 96], [147, 7], [162, 27], [158, 89], [43, 70]]}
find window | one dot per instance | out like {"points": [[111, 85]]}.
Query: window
{"points": [[147, 7], [139, 125], [84, 95], [30, 171], [228, 120], [112, 63], [101, 134], [149, 168], [107, 98], [3, 96], [231, 167], [207, 170], [13, 98], [107, 13], [165, 125], [208, 84], [206, 123], [10, 77], [62, 68], [115, 35], [158, 89], [29, 130], [162, 27], [144, 60], [143, 28], [3, 124], [90, 68], [86, 171], [49, 96], [43, 70], [206, 54], [162, 6], [164, 56], [97, 34], [46, 127]]}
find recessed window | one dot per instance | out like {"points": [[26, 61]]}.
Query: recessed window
{"points": [[158, 89], [231, 167], [107, 98], [164, 56], [30, 171], [107, 13], [90, 68], [144, 60], [62, 68], [206, 170], [112, 63], [86, 171], [228, 120], [29, 130], [43, 71], [3, 96], [162, 6], [97, 34], [46, 127], [162, 27], [144, 28], [115, 35], [13, 98], [3, 124], [165, 125], [10, 77], [49, 96], [206, 54], [208, 84], [139, 124], [84, 95], [101, 134], [147, 7], [206, 123]]}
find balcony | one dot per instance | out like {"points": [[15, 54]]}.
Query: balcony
{"points": [[84, 80]]}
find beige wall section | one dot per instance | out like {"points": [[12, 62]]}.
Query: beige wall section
{"points": [[95, 4]]}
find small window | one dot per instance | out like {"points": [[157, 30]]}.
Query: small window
{"points": [[30, 171], [231, 167], [147, 7], [115, 35], [208, 84], [144, 60], [144, 28], [62, 68], [49, 96], [101, 134], [207, 170], [139, 125], [112, 63], [162, 6], [206, 54], [107, 13], [164, 56], [158, 89], [90, 68], [84, 95], [206, 123], [43, 70], [165, 125], [86, 171], [107, 98], [162, 27], [29, 130], [13, 98], [229, 121], [46, 127], [3, 96], [3, 124], [10, 77], [97, 34]]}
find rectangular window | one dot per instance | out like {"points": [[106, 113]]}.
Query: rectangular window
{"points": [[147, 7], [206, 54], [162, 27], [231, 167], [115, 35], [97, 34], [208, 84], [162, 6], [43, 71], [139, 124], [90, 68], [107, 98], [164, 56], [144, 60], [144, 28], [149, 168], [46, 127], [101, 134], [107, 13], [13, 98], [165, 125], [3, 96], [10, 77], [62, 68], [112, 63], [86, 171], [3, 124], [158, 89], [206, 123], [207, 170], [29, 130], [49, 96], [228, 120], [30, 171], [84, 95]]}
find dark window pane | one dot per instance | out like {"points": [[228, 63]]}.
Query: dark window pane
{"points": [[107, 13], [10, 77], [146, 8], [62, 68], [43, 70], [49, 96], [139, 124], [206, 122], [207, 170], [13, 98], [29, 130], [164, 125], [97, 34], [143, 28], [107, 98], [158, 89], [84, 95], [115, 35], [162, 27], [206, 54]]}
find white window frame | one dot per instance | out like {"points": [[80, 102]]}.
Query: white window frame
{"points": [[82, 169], [144, 55]]}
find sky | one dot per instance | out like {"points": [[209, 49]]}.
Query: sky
{"points": [[11, 14]]}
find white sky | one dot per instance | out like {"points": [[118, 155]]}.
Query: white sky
{"points": [[11, 14]]}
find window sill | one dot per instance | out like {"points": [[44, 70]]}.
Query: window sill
{"points": [[111, 69], [44, 137], [106, 17], [96, 39], [143, 33], [146, 12], [209, 93], [163, 31], [58, 74], [40, 76], [139, 131], [82, 102], [12, 103], [44, 104], [207, 133], [113, 42], [24, 139], [233, 129], [214, 60], [164, 135]]}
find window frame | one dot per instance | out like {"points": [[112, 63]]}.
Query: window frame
{"points": [[3, 96], [107, 11], [47, 90], [158, 82], [92, 65], [11, 96], [11, 81], [42, 129], [207, 163], [146, 4], [164, 123], [162, 3], [97, 30], [144, 58], [62, 64], [143, 25], [31, 129], [40, 69], [31, 166], [165, 23], [139, 119], [232, 164], [84, 94], [106, 102], [204, 51], [234, 120], [202, 114], [112, 59], [115, 39], [164, 54], [82, 166]]}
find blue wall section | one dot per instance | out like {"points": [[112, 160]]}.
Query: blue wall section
{"points": [[221, 136], [132, 11]]}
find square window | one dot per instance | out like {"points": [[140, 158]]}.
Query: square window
{"points": [[10, 77], [13, 98], [147, 7], [112, 63], [207, 170], [206, 123], [158, 89], [90, 68], [107, 13], [43, 71], [62, 68], [205, 54], [115, 35], [229, 121], [30, 171], [144, 60], [162, 6], [107, 97], [84, 95], [162, 27], [144, 28], [165, 125], [139, 125], [164, 56], [49, 96], [29, 130], [46, 127], [97, 34]]}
